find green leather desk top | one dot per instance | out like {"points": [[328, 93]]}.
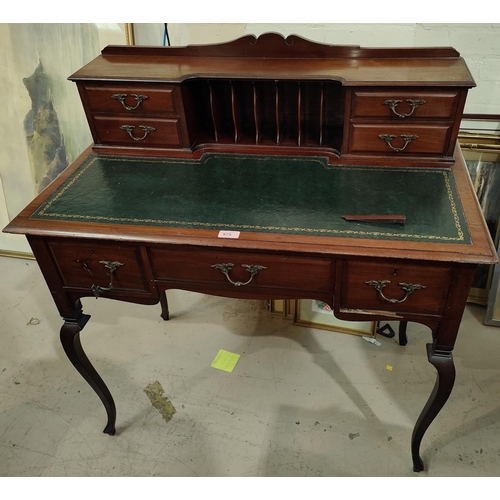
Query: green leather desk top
{"points": [[279, 194]]}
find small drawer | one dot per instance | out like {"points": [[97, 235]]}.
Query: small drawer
{"points": [[394, 286], [400, 139], [81, 265], [405, 105], [137, 131], [187, 265], [131, 99]]}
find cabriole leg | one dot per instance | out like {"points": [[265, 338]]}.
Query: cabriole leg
{"points": [[164, 306], [70, 339], [403, 339], [443, 362]]}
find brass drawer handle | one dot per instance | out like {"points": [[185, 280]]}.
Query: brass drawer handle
{"points": [[112, 266], [226, 268], [121, 97], [130, 129], [409, 288], [414, 103], [388, 138]]}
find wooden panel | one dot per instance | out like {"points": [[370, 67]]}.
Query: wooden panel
{"points": [[166, 132], [191, 265], [159, 99], [357, 294], [80, 265], [431, 138], [371, 104], [272, 57]]}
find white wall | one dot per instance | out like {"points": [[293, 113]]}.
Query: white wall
{"points": [[479, 44], [188, 33]]}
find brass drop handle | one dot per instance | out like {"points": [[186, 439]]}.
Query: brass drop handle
{"points": [[121, 97], [112, 266], [414, 103], [388, 138], [130, 129], [409, 288], [226, 268]]}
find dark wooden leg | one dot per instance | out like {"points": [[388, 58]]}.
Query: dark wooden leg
{"points": [[403, 339], [443, 362], [70, 339], [164, 306]]}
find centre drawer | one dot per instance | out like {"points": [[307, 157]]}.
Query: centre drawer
{"points": [[396, 286], [208, 266]]}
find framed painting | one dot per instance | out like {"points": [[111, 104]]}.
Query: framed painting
{"points": [[45, 127], [284, 308], [318, 314], [493, 310], [481, 149], [276, 307]]}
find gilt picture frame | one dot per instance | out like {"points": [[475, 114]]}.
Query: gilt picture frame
{"points": [[481, 150], [284, 308], [492, 316], [317, 314]]}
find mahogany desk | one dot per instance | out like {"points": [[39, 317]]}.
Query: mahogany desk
{"points": [[275, 139], [131, 228]]}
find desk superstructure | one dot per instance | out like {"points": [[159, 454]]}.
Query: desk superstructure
{"points": [[275, 139]]}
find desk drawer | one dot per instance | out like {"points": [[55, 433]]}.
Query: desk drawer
{"points": [[400, 139], [364, 284], [132, 99], [188, 265], [138, 131], [405, 104], [80, 265]]}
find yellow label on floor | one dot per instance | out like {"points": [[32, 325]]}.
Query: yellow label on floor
{"points": [[225, 360], [389, 367]]}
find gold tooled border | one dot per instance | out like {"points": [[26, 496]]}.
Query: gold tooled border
{"points": [[43, 211]]}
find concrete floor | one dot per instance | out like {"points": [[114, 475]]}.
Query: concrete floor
{"points": [[300, 401]]}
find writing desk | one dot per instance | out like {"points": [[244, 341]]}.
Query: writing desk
{"points": [[129, 222], [95, 214]]}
